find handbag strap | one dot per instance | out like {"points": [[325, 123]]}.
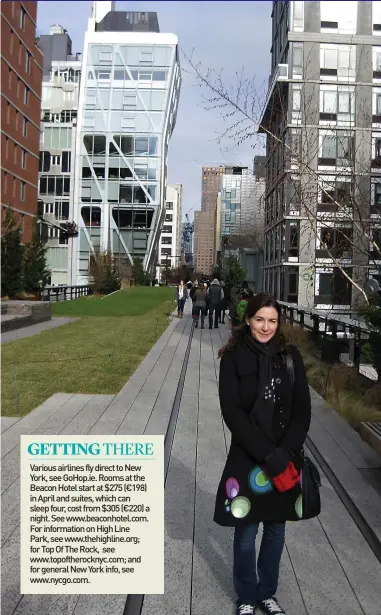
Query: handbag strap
{"points": [[290, 368]]}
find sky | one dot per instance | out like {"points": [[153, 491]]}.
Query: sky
{"points": [[228, 36]]}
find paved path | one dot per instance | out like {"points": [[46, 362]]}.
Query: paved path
{"points": [[327, 565], [17, 334]]}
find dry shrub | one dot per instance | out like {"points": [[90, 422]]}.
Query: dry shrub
{"points": [[354, 409], [373, 396], [294, 334]]}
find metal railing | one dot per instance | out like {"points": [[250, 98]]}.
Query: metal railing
{"points": [[64, 293], [340, 330]]}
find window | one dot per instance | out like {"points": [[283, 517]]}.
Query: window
{"points": [[26, 95], [22, 18], [88, 121], [337, 241], [169, 205], [27, 61], [333, 288], [336, 149], [166, 251], [166, 240], [145, 75], [44, 162], [24, 127], [378, 104], [56, 161], [296, 98], [105, 57], [168, 228], [103, 75], [61, 210], [297, 60], [298, 16], [95, 144], [377, 199], [146, 57], [128, 123], [90, 101], [54, 185], [66, 162], [22, 191], [129, 101], [23, 158], [168, 218]]}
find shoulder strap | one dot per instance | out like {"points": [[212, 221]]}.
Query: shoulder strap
{"points": [[290, 368]]}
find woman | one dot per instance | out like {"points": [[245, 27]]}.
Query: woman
{"points": [[269, 424], [225, 302], [200, 305], [180, 298]]}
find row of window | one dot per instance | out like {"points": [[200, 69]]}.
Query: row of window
{"points": [[60, 209], [129, 145], [21, 122], [118, 74], [19, 153], [118, 170], [7, 190], [15, 84], [54, 185], [58, 118], [24, 57], [47, 160]]}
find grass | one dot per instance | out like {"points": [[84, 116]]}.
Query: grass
{"points": [[95, 355], [129, 302], [349, 393]]}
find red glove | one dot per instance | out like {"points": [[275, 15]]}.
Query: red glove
{"points": [[287, 479]]}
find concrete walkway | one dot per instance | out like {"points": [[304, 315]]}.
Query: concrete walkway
{"points": [[18, 334], [327, 566]]}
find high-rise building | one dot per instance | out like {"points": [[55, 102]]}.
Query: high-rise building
{"points": [[169, 252], [322, 118], [127, 111], [21, 77], [59, 111], [205, 220], [241, 210]]}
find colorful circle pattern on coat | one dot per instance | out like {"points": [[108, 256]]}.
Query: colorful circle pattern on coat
{"points": [[299, 506], [240, 507], [232, 488], [258, 481]]}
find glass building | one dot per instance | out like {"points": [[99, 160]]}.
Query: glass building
{"points": [[127, 111]]}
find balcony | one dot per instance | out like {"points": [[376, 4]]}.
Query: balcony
{"points": [[280, 75]]}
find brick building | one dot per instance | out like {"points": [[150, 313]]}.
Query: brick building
{"points": [[21, 79]]}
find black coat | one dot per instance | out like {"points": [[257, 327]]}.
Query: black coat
{"points": [[245, 495]]}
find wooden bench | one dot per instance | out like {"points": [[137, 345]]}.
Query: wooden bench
{"points": [[371, 433]]}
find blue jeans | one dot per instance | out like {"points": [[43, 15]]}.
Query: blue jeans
{"points": [[180, 304], [249, 586]]}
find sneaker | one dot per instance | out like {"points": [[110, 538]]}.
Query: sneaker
{"points": [[245, 609], [271, 607]]}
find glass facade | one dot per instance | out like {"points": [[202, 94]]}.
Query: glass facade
{"points": [[127, 113]]}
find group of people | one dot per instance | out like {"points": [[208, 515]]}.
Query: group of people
{"points": [[208, 299], [214, 299], [268, 412]]}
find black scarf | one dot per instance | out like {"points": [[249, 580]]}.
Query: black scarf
{"points": [[262, 412]]}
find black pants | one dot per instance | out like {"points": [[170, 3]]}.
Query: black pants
{"points": [[216, 311], [222, 315]]}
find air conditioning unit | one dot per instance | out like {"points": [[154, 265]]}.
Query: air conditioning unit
{"points": [[282, 72]]}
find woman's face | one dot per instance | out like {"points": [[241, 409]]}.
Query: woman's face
{"points": [[263, 324]]}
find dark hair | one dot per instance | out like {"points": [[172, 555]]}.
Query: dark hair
{"points": [[254, 304]]}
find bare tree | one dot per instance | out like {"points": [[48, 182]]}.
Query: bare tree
{"points": [[333, 209]]}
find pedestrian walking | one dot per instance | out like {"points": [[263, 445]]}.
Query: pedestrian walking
{"points": [[180, 298], [215, 296], [261, 479], [224, 302], [189, 288], [192, 295], [200, 305]]}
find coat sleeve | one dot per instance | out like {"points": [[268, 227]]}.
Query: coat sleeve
{"points": [[299, 425], [251, 438]]}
